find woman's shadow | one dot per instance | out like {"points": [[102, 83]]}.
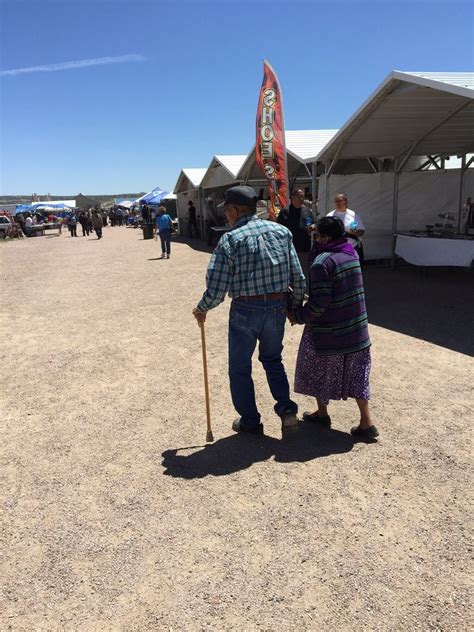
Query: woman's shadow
{"points": [[238, 452]]}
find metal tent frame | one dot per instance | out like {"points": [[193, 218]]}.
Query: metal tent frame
{"points": [[409, 116]]}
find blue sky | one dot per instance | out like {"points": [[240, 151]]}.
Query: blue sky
{"points": [[190, 91]]}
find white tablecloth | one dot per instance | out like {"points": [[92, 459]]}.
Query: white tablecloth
{"points": [[430, 251]]}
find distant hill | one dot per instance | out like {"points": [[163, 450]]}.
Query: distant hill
{"points": [[26, 199]]}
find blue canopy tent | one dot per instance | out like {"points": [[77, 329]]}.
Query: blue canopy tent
{"points": [[154, 197], [23, 208], [38, 206]]}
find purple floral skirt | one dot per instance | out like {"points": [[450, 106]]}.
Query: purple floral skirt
{"points": [[331, 376]]}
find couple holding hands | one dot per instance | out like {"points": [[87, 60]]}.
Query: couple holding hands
{"points": [[257, 265]]}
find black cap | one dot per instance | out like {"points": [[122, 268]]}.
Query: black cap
{"points": [[241, 196]]}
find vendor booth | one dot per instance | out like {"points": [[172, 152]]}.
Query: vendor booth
{"points": [[220, 175], [188, 188], [391, 159], [146, 203]]}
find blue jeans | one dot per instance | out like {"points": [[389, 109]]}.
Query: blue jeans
{"points": [[165, 237], [251, 322]]}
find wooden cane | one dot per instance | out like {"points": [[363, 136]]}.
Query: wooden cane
{"points": [[209, 437]]}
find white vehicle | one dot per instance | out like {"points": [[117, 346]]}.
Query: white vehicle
{"points": [[9, 228], [5, 225]]}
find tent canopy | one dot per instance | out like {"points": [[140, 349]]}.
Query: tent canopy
{"points": [[222, 171], [125, 203], [189, 179], [41, 206], [153, 197], [300, 146], [410, 113]]}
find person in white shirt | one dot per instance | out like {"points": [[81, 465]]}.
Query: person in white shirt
{"points": [[28, 226], [352, 221]]}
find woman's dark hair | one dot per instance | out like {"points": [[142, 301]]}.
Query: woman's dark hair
{"points": [[331, 227]]}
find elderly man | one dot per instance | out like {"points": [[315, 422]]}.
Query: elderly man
{"points": [[256, 263]]}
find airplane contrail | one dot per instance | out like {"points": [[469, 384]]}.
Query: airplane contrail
{"points": [[69, 65]]}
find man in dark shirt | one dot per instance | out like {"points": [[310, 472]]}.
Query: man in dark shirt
{"points": [[300, 222], [192, 224]]}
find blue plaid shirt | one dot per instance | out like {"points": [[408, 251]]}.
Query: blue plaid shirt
{"points": [[255, 257]]}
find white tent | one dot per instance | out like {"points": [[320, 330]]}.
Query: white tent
{"points": [[52, 203], [301, 145], [188, 188], [378, 158], [222, 171], [220, 175]]}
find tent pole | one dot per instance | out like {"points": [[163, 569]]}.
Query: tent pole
{"points": [[371, 163], [326, 191], [461, 186], [293, 181], [396, 176], [314, 184], [334, 160], [247, 176], [329, 168], [201, 204], [409, 151]]}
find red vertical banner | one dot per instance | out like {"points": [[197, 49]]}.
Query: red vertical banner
{"points": [[270, 149]]}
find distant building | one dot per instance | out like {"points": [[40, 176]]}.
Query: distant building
{"points": [[84, 202]]}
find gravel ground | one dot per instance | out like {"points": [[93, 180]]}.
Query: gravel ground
{"points": [[115, 513]]}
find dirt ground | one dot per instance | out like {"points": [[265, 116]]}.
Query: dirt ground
{"points": [[117, 516]]}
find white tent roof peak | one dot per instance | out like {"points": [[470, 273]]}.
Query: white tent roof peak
{"points": [[195, 175], [304, 143], [232, 163], [189, 177], [301, 144]]}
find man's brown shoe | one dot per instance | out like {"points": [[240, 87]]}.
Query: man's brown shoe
{"points": [[289, 423]]}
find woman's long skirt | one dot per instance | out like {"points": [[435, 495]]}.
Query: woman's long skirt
{"points": [[333, 377]]}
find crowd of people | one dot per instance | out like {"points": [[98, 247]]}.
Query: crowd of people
{"points": [[274, 271], [91, 220]]}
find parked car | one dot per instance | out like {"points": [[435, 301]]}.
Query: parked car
{"points": [[5, 225]]}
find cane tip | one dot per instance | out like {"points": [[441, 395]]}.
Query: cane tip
{"points": [[209, 437]]}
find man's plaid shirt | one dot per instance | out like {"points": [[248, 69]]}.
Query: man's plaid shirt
{"points": [[255, 257]]}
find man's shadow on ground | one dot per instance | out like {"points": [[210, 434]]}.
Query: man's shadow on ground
{"points": [[238, 452]]}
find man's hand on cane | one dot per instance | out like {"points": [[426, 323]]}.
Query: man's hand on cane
{"points": [[199, 316]]}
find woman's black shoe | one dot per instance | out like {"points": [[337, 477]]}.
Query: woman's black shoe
{"points": [[314, 418], [365, 434]]}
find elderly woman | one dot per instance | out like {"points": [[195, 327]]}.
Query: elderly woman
{"points": [[334, 355]]}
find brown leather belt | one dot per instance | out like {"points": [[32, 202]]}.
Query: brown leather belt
{"points": [[274, 296]]}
